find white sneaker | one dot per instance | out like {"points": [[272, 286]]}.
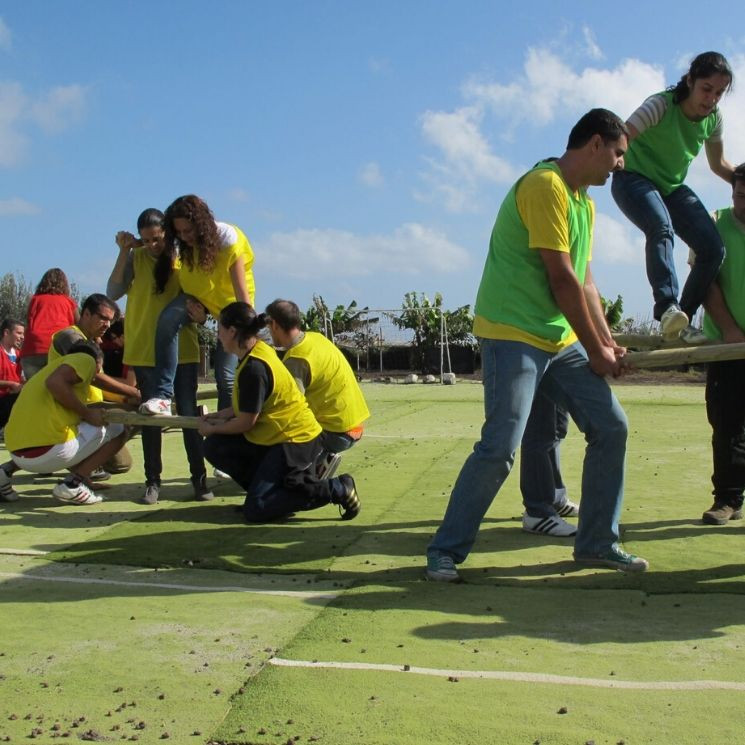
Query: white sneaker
{"points": [[7, 492], [568, 509], [79, 494], [691, 335], [553, 525], [673, 321], [156, 406], [221, 475]]}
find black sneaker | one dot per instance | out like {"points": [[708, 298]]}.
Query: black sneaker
{"points": [[202, 492], [721, 513], [349, 504]]}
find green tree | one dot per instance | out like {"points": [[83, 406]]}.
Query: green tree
{"points": [[15, 294]]}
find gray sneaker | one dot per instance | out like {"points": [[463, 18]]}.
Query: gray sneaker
{"points": [[152, 492], [615, 558], [7, 492], [441, 569], [202, 492], [691, 335], [672, 322]]}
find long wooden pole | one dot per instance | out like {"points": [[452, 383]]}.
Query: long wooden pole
{"points": [[686, 355], [134, 418]]}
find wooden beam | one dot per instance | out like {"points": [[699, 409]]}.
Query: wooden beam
{"points": [[686, 356], [134, 418]]}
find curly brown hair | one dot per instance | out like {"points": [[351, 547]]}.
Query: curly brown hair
{"points": [[53, 282], [196, 211]]}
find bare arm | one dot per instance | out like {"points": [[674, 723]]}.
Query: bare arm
{"points": [[115, 385], [236, 425], [716, 307], [121, 275], [595, 306], [717, 162], [570, 297], [60, 384]]}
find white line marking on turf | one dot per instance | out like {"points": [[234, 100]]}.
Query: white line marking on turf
{"points": [[22, 552], [651, 685], [172, 586]]}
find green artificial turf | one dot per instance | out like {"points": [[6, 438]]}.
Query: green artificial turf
{"points": [[524, 606]]}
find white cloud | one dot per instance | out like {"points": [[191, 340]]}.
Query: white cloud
{"points": [[239, 195], [12, 105], [548, 88], [6, 39], [592, 49], [371, 175], [379, 65], [58, 108], [465, 159], [411, 249], [52, 111], [616, 242], [17, 206]]}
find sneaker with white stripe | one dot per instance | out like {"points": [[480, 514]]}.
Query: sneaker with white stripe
{"points": [[75, 494], [553, 525], [7, 492]]}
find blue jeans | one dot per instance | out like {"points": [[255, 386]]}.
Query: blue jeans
{"points": [[185, 390], [658, 216], [274, 489], [336, 442], [171, 320], [512, 372], [541, 484]]}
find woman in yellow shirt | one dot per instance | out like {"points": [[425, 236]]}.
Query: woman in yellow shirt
{"points": [[268, 439], [216, 262], [133, 275]]}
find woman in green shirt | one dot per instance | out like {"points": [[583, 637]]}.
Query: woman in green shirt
{"points": [[666, 133]]}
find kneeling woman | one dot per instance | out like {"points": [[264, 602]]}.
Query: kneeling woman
{"points": [[268, 440]]}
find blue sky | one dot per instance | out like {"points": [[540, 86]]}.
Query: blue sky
{"points": [[363, 148]]}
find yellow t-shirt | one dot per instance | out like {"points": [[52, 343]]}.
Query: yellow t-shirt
{"points": [[214, 289], [332, 391], [37, 418], [541, 214], [144, 306], [95, 394], [285, 416]]}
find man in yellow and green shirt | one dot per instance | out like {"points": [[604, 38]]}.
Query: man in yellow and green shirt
{"points": [[541, 327]]}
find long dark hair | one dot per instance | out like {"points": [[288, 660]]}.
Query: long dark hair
{"points": [[244, 319], [196, 211], [53, 282], [703, 66]]}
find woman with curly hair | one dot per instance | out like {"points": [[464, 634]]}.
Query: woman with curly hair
{"points": [[665, 134], [215, 263], [51, 308]]}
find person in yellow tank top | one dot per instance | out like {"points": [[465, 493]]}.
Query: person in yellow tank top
{"points": [[51, 427], [216, 263], [324, 376], [97, 313], [268, 439], [133, 275]]}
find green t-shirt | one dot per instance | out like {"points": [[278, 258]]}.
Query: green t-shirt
{"points": [[662, 153], [731, 277], [514, 300]]}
